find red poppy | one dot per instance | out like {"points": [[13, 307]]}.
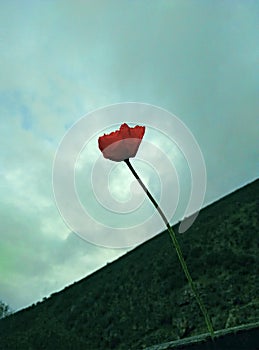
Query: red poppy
{"points": [[121, 144]]}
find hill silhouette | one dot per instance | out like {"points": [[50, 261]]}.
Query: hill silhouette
{"points": [[143, 298]]}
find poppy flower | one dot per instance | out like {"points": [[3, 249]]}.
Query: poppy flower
{"points": [[121, 144]]}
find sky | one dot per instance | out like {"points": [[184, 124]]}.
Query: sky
{"points": [[62, 63]]}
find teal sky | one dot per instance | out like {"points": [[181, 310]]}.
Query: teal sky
{"points": [[62, 59]]}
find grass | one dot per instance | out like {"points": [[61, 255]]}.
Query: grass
{"points": [[143, 298]]}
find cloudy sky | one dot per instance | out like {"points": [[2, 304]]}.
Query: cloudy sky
{"points": [[63, 59]]}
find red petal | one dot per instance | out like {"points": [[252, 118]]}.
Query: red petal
{"points": [[121, 144]]}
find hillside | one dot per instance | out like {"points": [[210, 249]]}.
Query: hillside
{"points": [[143, 298]]}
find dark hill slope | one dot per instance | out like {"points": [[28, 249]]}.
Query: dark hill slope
{"points": [[143, 298]]}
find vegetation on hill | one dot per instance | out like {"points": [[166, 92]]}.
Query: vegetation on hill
{"points": [[4, 309], [143, 298]]}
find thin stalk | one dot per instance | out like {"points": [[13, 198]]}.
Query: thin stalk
{"points": [[178, 250]]}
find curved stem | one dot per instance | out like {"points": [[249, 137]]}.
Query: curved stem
{"points": [[178, 250]]}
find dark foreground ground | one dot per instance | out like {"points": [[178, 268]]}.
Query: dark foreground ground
{"points": [[143, 298]]}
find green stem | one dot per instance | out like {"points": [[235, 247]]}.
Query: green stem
{"points": [[178, 250]]}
